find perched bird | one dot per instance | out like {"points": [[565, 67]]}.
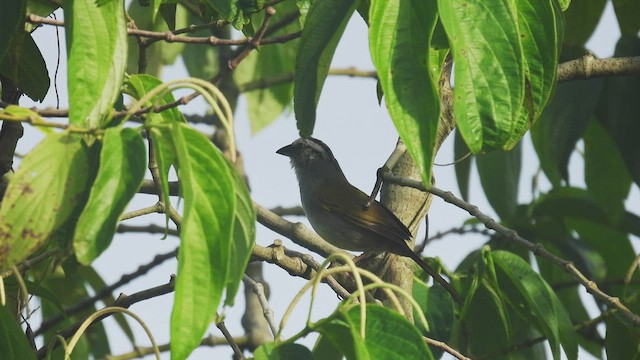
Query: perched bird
{"points": [[337, 212]]}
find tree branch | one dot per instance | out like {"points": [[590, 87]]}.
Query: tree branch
{"points": [[511, 235]]}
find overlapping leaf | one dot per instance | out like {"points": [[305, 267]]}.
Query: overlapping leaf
{"points": [[399, 38], [206, 234], [323, 28], [96, 47], [41, 196], [122, 168]]}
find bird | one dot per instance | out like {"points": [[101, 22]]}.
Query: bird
{"points": [[337, 212]]}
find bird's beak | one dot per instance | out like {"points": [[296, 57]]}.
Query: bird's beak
{"points": [[286, 150]]}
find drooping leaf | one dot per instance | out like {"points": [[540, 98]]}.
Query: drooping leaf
{"points": [[499, 89], [206, 233], [562, 124], [41, 196], [122, 168], [605, 172], [581, 18], [13, 341], [619, 110], [97, 49], [483, 36], [399, 38], [323, 28], [244, 236], [462, 165], [25, 65], [437, 306], [621, 341], [500, 175], [626, 12], [545, 307], [388, 335], [270, 351]]}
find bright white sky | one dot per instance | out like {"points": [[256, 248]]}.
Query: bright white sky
{"points": [[361, 137]]}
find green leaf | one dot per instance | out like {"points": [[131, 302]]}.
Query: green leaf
{"points": [[435, 302], [122, 168], [399, 38], [206, 233], [41, 196], [25, 65], [627, 13], [581, 18], [11, 17], [486, 308], [244, 237], [570, 202], [323, 28], [562, 124], [13, 341], [619, 110], [388, 335], [96, 49], [621, 341], [605, 172], [541, 26], [500, 175], [271, 351], [543, 304], [336, 333], [463, 164], [519, 42], [485, 35]]}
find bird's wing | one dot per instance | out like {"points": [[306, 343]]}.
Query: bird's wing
{"points": [[377, 218]]}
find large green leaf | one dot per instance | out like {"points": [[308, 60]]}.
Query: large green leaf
{"points": [[505, 57], [562, 124], [97, 48], [605, 173], [323, 28], [41, 196], [388, 335], [544, 306], [627, 13], [621, 341], [13, 341], [582, 17], [489, 71], [122, 168], [399, 38], [25, 65], [619, 110], [500, 175], [437, 306], [244, 237], [206, 233]]}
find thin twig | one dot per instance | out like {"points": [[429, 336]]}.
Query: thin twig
{"points": [[441, 345], [258, 289]]}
